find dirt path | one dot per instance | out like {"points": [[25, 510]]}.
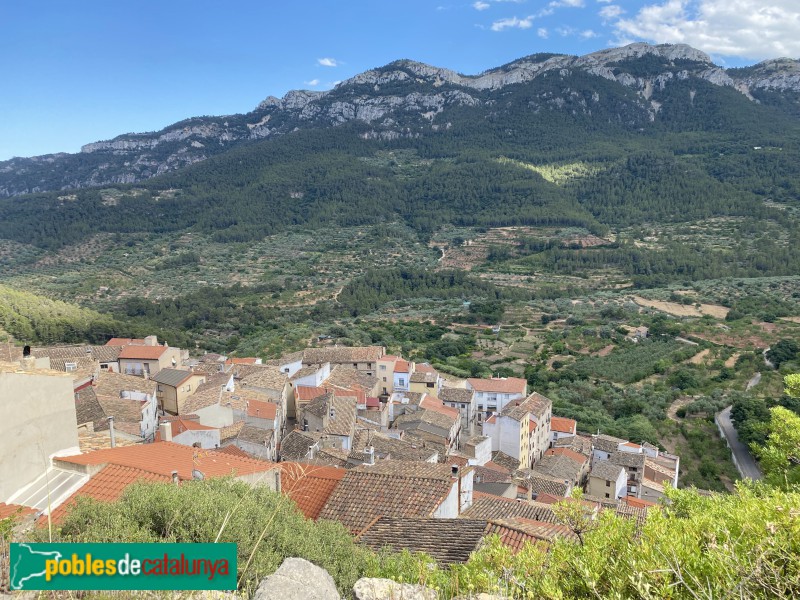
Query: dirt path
{"points": [[700, 357], [684, 310], [672, 411]]}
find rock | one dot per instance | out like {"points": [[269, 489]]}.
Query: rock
{"points": [[297, 579], [368, 588]]}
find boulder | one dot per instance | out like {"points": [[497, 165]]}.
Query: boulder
{"points": [[368, 588], [297, 579]]}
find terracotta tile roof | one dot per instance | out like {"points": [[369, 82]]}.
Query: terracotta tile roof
{"points": [[579, 458], [638, 502], [503, 385], [402, 366], [260, 376], [107, 485], [606, 443], [558, 467], [348, 378], [305, 393], [122, 409], [516, 531], [433, 403], [495, 467], [230, 431], [243, 361], [113, 384], [387, 447], [446, 540], [262, 410], [234, 450], [15, 511], [125, 342], [487, 475], [578, 443], [378, 490], [142, 352], [426, 423], [505, 461], [460, 395], [87, 408], [628, 459], [99, 440], [492, 419], [162, 458], [539, 483], [309, 486], [486, 506], [286, 359], [179, 425], [295, 445], [605, 470], [563, 425], [342, 354], [256, 435]]}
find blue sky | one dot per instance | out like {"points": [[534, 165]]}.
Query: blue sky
{"points": [[81, 71]]}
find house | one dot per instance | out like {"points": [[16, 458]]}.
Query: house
{"points": [[402, 376], [562, 428], [521, 429], [361, 358], [289, 363], [188, 432], [487, 506], [174, 386], [257, 442], [385, 373], [578, 443], [565, 467], [383, 447], [448, 541], [88, 412], [269, 381], [334, 417], [299, 446], [348, 378], [148, 359], [108, 472], [401, 489], [265, 415], [134, 415], [603, 446], [607, 480], [425, 379], [309, 486], [37, 422], [493, 395], [464, 400], [633, 463], [479, 450], [63, 358], [432, 423], [581, 461]]}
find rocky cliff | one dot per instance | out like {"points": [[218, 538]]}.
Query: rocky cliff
{"points": [[408, 98]]}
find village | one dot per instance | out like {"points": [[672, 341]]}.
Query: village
{"points": [[401, 455]]}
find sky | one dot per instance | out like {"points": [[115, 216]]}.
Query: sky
{"points": [[74, 72]]}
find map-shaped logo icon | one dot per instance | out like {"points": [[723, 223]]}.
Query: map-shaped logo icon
{"points": [[28, 565]]}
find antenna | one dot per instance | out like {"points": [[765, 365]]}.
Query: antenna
{"points": [[197, 475]]}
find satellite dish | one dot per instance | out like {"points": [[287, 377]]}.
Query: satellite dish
{"points": [[198, 475]]}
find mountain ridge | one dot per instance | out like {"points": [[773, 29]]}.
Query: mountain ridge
{"points": [[402, 98]]}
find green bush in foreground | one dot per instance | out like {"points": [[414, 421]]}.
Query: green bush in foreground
{"points": [[742, 545]]}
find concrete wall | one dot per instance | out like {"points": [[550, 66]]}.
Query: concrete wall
{"points": [[37, 420], [208, 438]]}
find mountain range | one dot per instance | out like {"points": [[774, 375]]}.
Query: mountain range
{"points": [[408, 99]]}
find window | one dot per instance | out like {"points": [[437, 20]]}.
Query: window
{"points": [[608, 484], [286, 369], [70, 366], [607, 496], [401, 382], [384, 379], [430, 385], [104, 366], [382, 368]]}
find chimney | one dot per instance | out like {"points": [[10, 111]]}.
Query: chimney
{"points": [[166, 432], [28, 363], [111, 431], [151, 340], [175, 478], [310, 453], [371, 455], [456, 474]]}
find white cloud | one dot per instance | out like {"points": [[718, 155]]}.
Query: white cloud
{"points": [[565, 31], [542, 33], [605, 1], [752, 29], [588, 34], [328, 62], [480, 5], [570, 3], [513, 22], [312, 83], [612, 11]]}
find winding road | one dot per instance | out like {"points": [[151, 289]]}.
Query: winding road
{"points": [[748, 468]]}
